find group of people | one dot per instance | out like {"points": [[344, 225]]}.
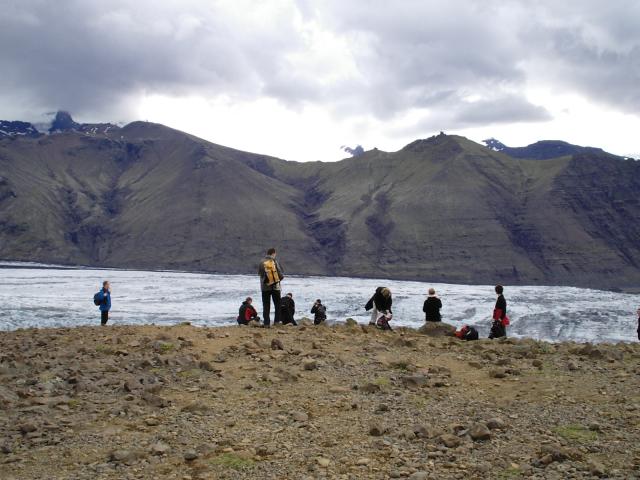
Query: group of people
{"points": [[271, 274]]}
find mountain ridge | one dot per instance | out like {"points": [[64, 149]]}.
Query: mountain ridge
{"points": [[442, 209]]}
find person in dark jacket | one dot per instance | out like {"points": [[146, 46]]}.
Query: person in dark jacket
{"points": [[380, 302], [270, 277], [320, 312], [104, 296], [498, 328], [431, 307], [247, 312], [287, 310], [638, 312]]}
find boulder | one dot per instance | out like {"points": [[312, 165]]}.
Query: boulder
{"points": [[437, 329]]}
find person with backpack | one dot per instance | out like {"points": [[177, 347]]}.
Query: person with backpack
{"points": [[431, 307], [467, 333], [287, 310], [247, 312], [102, 300], [320, 312], [271, 275], [379, 303], [500, 319]]}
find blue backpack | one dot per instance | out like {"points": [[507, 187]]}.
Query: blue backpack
{"points": [[96, 299]]}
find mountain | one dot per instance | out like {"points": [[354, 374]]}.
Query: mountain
{"points": [[440, 209], [542, 150], [16, 128]]}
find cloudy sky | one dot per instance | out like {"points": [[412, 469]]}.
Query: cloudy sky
{"points": [[299, 79]]}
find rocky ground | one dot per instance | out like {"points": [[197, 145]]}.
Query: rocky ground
{"points": [[342, 402]]}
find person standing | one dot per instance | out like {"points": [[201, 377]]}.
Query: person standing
{"points": [[320, 312], [271, 275], [638, 312], [500, 319], [431, 307], [287, 310], [103, 300]]}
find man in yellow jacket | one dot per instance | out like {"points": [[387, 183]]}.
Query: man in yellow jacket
{"points": [[270, 276]]}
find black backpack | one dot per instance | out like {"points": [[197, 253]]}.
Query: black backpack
{"points": [[96, 299]]}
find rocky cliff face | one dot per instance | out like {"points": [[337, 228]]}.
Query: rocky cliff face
{"points": [[443, 208]]}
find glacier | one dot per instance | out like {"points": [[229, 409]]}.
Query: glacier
{"points": [[34, 295]]}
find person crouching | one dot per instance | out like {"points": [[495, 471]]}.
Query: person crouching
{"points": [[247, 313]]}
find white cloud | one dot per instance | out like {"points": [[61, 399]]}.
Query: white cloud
{"points": [[298, 79]]}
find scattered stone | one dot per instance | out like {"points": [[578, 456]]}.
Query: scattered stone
{"points": [[415, 381], [300, 416], [363, 461], [152, 421], [495, 424], [450, 441], [479, 431], [377, 430], [323, 462], [27, 428], [497, 373], [190, 455], [420, 475], [537, 363], [370, 388], [276, 344], [350, 322], [596, 468], [124, 456], [310, 365], [160, 448]]}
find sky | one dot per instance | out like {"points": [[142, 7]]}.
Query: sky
{"points": [[299, 79]]}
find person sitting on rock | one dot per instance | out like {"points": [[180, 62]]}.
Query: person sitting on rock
{"points": [[431, 307], [247, 313], [320, 312], [500, 319], [287, 310], [380, 301]]}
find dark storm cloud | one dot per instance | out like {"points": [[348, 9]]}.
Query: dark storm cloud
{"points": [[463, 62]]}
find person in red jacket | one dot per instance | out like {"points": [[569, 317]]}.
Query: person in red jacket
{"points": [[247, 313], [500, 319]]}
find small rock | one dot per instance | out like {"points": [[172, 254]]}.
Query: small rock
{"points": [[190, 455], [350, 322], [537, 363], [596, 468], [276, 344], [479, 431], [377, 430], [498, 373], [152, 421], [323, 462], [420, 475], [28, 428], [300, 417], [370, 388], [123, 456], [495, 424], [414, 381], [383, 407], [450, 441], [363, 461], [160, 448], [310, 365]]}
